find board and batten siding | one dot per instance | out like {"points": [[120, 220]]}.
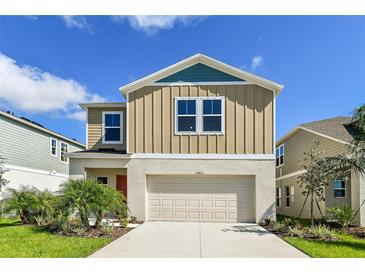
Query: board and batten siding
{"points": [[95, 129], [28, 147], [249, 120], [300, 142]]}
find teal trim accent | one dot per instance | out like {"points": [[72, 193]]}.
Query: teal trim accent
{"points": [[200, 73]]}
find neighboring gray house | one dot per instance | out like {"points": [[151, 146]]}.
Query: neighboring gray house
{"points": [[33, 154]]}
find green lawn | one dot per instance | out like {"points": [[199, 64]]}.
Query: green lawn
{"points": [[349, 246], [19, 241]]}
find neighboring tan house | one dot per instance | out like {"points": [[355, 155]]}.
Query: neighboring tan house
{"points": [[194, 142], [333, 135], [34, 155]]}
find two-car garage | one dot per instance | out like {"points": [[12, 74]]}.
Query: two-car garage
{"points": [[201, 198]]}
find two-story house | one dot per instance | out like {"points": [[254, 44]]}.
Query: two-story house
{"points": [[334, 135], [34, 155], [193, 142]]}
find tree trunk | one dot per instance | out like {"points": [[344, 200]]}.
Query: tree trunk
{"points": [[99, 218], [312, 200]]}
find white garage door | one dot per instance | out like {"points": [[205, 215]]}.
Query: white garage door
{"points": [[201, 198]]}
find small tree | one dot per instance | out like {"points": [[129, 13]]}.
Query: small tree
{"points": [[318, 173], [23, 201], [3, 181]]}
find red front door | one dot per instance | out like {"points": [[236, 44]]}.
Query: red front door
{"points": [[122, 184]]}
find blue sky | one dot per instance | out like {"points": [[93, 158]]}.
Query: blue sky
{"points": [[51, 63]]}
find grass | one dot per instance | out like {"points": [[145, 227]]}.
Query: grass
{"points": [[349, 246], [21, 241]]}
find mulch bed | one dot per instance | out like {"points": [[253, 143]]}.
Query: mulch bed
{"points": [[356, 231]]}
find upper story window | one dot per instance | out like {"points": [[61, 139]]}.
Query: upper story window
{"points": [[63, 152], [199, 115], [112, 127], [280, 155], [212, 115], [339, 189], [53, 147], [186, 115]]}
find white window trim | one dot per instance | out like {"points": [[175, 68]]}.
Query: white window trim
{"points": [[121, 128], [278, 148], [340, 188], [50, 147], [65, 162], [199, 116]]}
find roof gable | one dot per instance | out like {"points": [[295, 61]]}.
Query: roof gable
{"points": [[154, 78], [199, 73]]}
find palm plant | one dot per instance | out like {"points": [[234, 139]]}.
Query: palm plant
{"points": [[23, 201], [108, 199], [78, 195]]}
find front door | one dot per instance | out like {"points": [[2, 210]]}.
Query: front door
{"points": [[122, 184]]}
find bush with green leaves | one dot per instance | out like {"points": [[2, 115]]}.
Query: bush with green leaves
{"points": [[107, 229], [342, 215], [291, 222], [320, 232], [88, 196], [279, 227], [295, 231], [23, 201]]}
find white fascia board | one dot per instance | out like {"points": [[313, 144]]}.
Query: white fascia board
{"points": [[200, 58], [207, 156], [85, 106], [97, 155]]}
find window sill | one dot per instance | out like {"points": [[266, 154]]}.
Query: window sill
{"points": [[111, 143], [199, 133]]}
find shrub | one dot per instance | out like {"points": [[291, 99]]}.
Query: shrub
{"points": [[321, 232], [295, 232], [342, 215], [269, 221], [107, 229], [279, 227], [291, 222], [23, 201]]}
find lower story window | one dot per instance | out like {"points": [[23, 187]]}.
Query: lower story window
{"points": [[287, 196], [339, 189], [102, 180], [278, 196]]}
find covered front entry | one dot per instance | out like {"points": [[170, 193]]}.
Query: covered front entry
{"points": [[201, 198]]}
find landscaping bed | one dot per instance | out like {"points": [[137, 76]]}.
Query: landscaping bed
{"points": [[323, 240]]}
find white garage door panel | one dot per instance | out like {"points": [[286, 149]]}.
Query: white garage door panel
{"points": [[201, 198]]}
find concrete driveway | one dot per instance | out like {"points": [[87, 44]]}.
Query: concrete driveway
{"points": [[198, 240]]}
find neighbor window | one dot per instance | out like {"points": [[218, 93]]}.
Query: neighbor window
{"points": [[278, 196], [112, 127], [53, 147], [186, 115], [339, 188], [280, 155], [63, 151], [102, 180], [287, 196], [212, 115], [199, 115]]}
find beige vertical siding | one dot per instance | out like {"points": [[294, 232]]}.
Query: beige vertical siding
{"points": [[301, 142], [248, 120], [94, 128]]}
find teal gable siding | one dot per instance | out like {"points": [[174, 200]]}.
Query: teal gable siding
{"points": [[199, 73]]}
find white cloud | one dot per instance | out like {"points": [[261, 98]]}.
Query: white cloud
{"points": [[257, 61], [78, 22], [153, 23], [32, 90]]}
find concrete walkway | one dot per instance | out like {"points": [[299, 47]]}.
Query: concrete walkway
{"points": [[194, 240]]}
